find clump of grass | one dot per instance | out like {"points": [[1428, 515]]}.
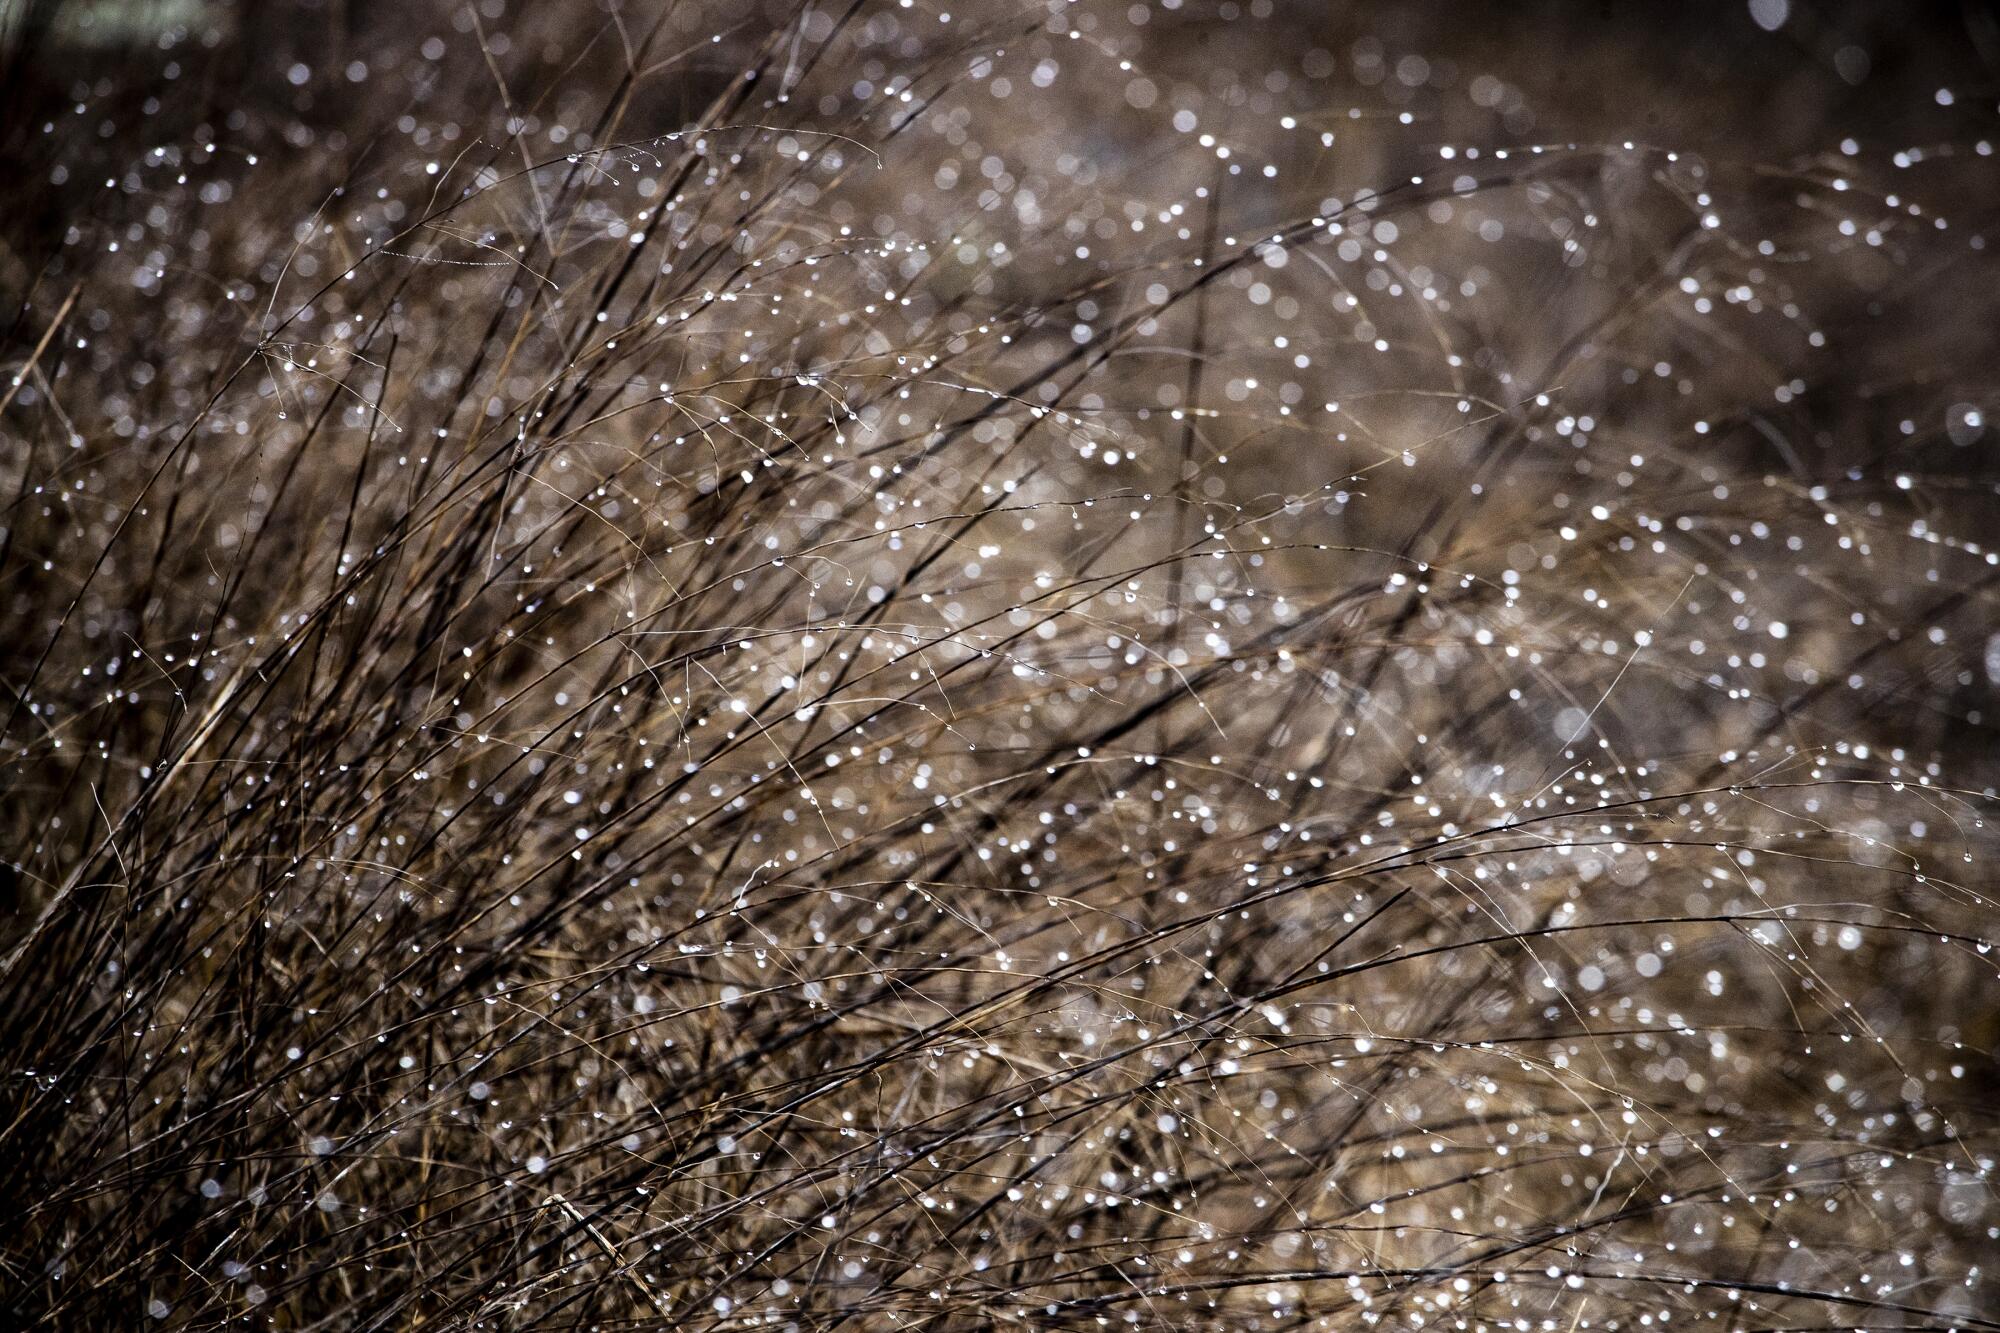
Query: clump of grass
{"points": [[692, 676]]}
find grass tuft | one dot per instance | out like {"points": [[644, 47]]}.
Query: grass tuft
{"points": [[1056, 666]]}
